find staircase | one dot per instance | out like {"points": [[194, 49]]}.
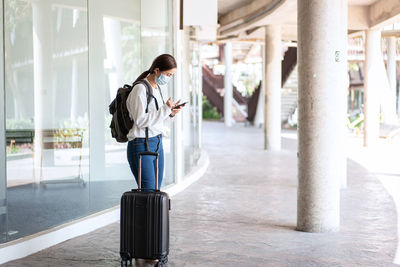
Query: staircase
{"points": [[213, 89], [289, 96], [213, 93], [289, 89], [252, 103]]}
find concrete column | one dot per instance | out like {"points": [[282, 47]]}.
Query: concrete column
{"points": [[318, 203], [391, 62], [187, 116], [42, 61], [97, 95], [388, 93], [186, 138], [228, 84], [200, 100], [112, 38], [342, 133], [273, 76], [392, 73], [259, 117], [371, 87], [74, 89], [178, 88]]}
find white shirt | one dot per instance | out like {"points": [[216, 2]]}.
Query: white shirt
{"points": [[154, 119]]}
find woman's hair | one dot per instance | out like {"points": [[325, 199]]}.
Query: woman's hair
{"points": [[163, 62]]}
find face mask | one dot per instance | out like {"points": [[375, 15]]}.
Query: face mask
{"points": [[162, 79]]}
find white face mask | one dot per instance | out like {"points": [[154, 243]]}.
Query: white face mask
{"points": [[162, 79]]}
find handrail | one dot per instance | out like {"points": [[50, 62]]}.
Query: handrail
{"points": [[217, 81], [252, 104], [288, 64], [213, 96]]}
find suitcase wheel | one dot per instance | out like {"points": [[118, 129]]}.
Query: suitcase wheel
{"points": [[125, 263], [125, 259], [162, 262]]}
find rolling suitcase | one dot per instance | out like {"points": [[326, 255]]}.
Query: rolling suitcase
{"points": [[145, 222]]}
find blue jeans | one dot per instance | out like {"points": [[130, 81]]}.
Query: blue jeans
{"points": [[148, 162]]}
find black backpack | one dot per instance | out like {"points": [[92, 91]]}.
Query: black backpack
{"points": [[121, 123]]}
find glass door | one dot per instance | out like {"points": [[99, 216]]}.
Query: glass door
{"points": [[46, 114], [3, 180]]}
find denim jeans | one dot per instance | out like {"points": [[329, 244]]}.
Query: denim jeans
{"points": [[148, 162]]}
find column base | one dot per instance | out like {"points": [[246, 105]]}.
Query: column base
{"points": [[317, 228]]}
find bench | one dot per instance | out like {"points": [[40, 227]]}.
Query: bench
{"points": [[62, 138], [20, 136]]}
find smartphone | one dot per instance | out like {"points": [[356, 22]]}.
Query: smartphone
{"points": [[180, 105]]}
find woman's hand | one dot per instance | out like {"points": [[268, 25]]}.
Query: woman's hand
{"points": [[176, 110], [172, 105]]}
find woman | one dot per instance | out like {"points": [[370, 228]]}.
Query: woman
{"points": [[159, 112]]}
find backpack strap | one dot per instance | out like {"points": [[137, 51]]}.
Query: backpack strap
{"points": [[149, 97], [159, 89]]}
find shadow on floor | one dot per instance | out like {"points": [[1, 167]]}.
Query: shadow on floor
{"points": [[32, 208], [242, 213]]}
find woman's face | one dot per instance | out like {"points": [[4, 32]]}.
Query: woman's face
{"points": [[168, 73]]}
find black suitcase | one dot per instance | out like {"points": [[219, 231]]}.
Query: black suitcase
{"points": [[145, 222]]}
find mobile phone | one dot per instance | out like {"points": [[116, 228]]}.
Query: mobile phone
{"points": [[180, 105]]}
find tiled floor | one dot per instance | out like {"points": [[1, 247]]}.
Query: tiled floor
{"points": [[243, 213]]}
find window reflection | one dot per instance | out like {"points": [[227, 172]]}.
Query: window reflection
{"points": [[115, 60], [156, 36], [191, 118], [3, 183], [46, 82], [63, 67]]}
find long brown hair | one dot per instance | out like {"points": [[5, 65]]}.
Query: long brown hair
{"points": [[163, 62]]}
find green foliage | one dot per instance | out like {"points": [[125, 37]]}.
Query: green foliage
{"points": [[356, 121], [12, 149], [69, 138], [80, 122], [250, 86], [209, 111], [353, 66]]}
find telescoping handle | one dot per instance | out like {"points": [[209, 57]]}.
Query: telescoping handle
{"points": [[147, 153]]}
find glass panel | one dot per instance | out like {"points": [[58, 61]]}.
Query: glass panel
{"points": [[114, 29], [196, 81], [46, 63], [191, 118], [3, 181], [186, 92], [156, 33]]}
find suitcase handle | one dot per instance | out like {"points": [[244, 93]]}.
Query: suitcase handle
{"points": [[147, 153], [144, 189]]}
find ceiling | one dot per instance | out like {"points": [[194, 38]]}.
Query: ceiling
{"points": [[226, 6], [361, 2], [285, 14]]}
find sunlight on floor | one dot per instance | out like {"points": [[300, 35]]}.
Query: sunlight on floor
{"points": [[392, 185], [382, 160]]}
